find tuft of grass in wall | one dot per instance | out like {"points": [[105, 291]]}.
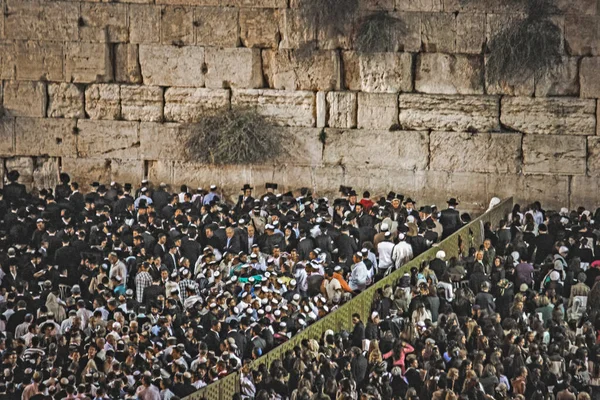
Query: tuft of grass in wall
{"points": [[526, 48], [375, 32], [237, 136]]}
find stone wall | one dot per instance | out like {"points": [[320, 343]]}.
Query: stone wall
{"points": [[102, 90]]}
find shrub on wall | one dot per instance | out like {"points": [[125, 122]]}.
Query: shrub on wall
{"points": [[238, 136], [527, 47]]}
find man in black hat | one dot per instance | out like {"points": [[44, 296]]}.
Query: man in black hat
{"points": [[450, 219], [245, 200], [14, 191]]}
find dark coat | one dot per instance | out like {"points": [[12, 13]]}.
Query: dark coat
{"points": [[450, 220]]}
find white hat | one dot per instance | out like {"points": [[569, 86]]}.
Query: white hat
{"points": [[374, 314], [440, 254], [296, 297], [268, 309], [282, 324], [312, 315], [410, 219], [554, 276], [277, 313], [384, 227], [269, 226], [401, 236], [293, 283], [264, 301], [563, 249]]}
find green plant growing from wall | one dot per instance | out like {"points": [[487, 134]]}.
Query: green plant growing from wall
{"points": [[327, 18], [526, 48], [238, 136]]}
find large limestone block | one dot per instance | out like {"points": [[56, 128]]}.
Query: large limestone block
{"points": [[378, 72], [65, 100], [289, 70], [216, 26], [453, 113], [436, 187], [584, 192], [554, 154], [295, 32], [189, 104], [260, 28], [25, 167], [45, 136], [377, 110], [172, 66], [377, 148], [449, 74], [302, 147], [7, 136], [551, 190], [126, 170], [41, 20], [87, 170], [582, 35], [259, 3], [144, 23], [103, 101], [341, 109], [588, 77], [102, 22], [46, 171], [235, 68], [408, 38], [33, 61], [127, 64], [163, 141], [141, 103], [108, 139], [438, 32], [25, 99], [419, 5], [562, 80], [177, 25], [88, 62], [567, 116], [470, 33], [475, 152], [282, 107], [593, 155]]}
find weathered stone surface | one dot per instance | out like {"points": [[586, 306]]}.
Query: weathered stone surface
{"points": [[285, 69], [102, 22], [294, 31], [514, 86], [45, 172], [216, 26], [341, 33], [238, 68], [419, 5], [41, 20], [583, 192], [172, 66], [470, 33], [108, 139], [467, 187], [588, 77], [554, 154], [449, 74], [189, 104], [260, 3], [163, 141], [377, 110], [145, 26], [284, 108], [103, 101], [260, 28], [127, 64], [409, 37], [454, 113], [438, 31], [22, 164], [378, 72], [7, 136], [45, 136], [65, 100], [126, 170], [342, 109], [141, 103], [550, 190], [87, 170], [177, 25], [593, 155], [475, 152], [32, 61], [87, 62], [8, 59], [582, 35], [589, 7], [377, 148], [568, 116], [321, 109], [562, 80], [25, 99]]}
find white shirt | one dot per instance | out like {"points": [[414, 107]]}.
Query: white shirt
{"points": [[359, 278], [402, 254], [385, 249]]}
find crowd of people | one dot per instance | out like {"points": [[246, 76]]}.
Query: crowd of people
{"points": [[516, 318], [119, 292]]}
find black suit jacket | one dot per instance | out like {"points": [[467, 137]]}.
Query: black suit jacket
{"points": [[151, 293], [233, 245], [450, 220]]}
